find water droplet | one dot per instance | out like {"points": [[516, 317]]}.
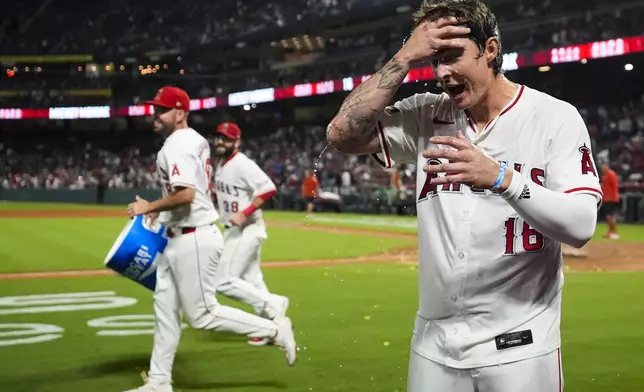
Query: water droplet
{"points": [[340, 365], [331, 314], [386, 344]]}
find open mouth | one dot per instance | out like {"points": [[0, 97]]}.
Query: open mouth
{"points": [[455, 89]]}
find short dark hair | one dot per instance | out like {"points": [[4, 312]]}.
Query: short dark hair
{"points": [[479, 18]]}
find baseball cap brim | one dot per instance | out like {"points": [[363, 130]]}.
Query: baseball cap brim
{"points": [[227, 134], [159, 103]]}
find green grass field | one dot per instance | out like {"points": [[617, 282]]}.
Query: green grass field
{"points": [[353, 321]]}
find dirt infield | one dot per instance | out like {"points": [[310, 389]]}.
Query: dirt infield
{"points": [[599, 256]]}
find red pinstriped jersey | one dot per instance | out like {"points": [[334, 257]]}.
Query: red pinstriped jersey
{"points": [[483, 271]]}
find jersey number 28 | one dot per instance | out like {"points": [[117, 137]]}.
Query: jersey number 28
{"points": [[532, 240]]}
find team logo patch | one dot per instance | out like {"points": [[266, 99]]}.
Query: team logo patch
{"points": [[175, 170], [513, 339], [587, 165]]}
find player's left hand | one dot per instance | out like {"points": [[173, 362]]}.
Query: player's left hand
{"points": [[139, 207], [238, 219], [468, 164]]}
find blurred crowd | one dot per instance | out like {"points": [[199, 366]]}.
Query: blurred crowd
{"points": [[121, 29], [285, 153]]}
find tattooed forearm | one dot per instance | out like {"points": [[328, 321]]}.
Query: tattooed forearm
{"points": [[392, 75], [354, 125]]}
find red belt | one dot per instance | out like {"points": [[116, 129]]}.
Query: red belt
{"points": [[183, 230]]}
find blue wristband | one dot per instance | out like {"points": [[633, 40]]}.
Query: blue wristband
{"points": [[499, 180]]}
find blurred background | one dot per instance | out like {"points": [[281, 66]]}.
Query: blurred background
{"points": [[73, 74]]}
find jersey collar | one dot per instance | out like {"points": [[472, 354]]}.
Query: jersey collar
{"points": [[493, 121], [230, 158]]}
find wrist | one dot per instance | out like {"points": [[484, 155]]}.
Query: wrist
{"points": [[507, 180], [403, 59], [249, 210], [502, 174]]}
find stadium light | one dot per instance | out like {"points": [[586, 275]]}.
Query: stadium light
{"points": [[629, 67], [182, 72], [545, 68], [246, 107]]}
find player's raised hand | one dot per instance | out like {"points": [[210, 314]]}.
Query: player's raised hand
{"points": [[468, 164], [431, 36], [138, 207]]}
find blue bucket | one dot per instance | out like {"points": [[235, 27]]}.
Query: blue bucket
{"points": [[135, 252]]}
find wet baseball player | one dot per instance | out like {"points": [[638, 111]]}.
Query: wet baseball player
{"points": [[241, 189], [184, 273], [505, 176]]}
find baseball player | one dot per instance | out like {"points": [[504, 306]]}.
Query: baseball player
{"points": [[610, 187], [184, 274], [505, 176], [241, 189]]}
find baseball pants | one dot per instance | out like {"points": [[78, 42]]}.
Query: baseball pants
{"points": [[539, 374], [185, 282], [239, 274]]}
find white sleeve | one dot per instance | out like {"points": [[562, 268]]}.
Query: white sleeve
{"points": [[182, 168], [257, 180], [569, 218], [570, 167], [565, 208], [399, 128]]}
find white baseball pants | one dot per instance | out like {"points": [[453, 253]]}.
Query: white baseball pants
{"points": [[185, 282], [239, 274], [540, 374]]}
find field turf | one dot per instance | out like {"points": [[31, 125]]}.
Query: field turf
{"points": [[353, 321]]}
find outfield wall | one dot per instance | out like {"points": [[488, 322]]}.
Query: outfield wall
{"points": [[632, 203]]}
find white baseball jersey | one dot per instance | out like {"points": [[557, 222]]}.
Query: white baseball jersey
{"points": [[238, 181], [184, 160], [489, 284]]}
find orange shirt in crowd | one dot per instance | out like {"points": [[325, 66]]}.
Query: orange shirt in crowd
{"points": [[310, 186], [610, 186]]}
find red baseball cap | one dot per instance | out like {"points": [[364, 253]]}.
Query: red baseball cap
{"points": [[230, 130], [171, 98]]}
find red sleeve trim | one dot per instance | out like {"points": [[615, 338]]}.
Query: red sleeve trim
{"points": [[268, 195], [249, 210], [383, 144], [585, 189]]}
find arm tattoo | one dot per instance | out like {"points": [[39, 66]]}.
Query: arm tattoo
{"points": [[357, 109], [391, 75]]}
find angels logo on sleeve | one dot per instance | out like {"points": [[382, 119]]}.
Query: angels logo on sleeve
{"points": [[587, 166], [175, 170]]}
